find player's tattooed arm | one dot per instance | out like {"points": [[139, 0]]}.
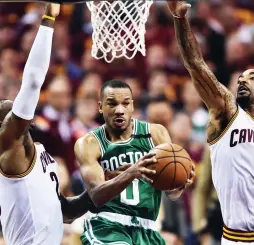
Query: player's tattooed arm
{"points": [[74, 207], [216, 96], [212, 92]]}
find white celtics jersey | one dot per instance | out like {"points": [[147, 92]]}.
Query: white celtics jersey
{"points": [[30, 207], [232, 157]]}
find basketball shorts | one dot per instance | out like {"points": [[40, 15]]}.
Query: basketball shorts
{"points": [[237, 237], [100, 231]]}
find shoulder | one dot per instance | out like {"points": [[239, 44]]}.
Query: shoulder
{"points": [[159, 134], [86, 141], [86, 146]]}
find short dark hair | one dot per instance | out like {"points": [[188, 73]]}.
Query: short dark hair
{"points": [[113, 84]]}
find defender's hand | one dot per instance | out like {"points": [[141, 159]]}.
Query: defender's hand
{"points": [[52, 9], [178, 8], [139, 169]]}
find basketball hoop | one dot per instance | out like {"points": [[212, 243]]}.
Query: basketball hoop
{"points": [[118, 28]]}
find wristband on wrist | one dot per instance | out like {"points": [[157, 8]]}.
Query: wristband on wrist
{"points": [[48, 17]]}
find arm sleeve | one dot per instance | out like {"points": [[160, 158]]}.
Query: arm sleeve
{"points": [[34, 74]]}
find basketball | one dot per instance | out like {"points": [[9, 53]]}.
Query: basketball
{"points": [[173, 166]]}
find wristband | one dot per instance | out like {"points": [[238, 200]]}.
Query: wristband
{"points": [[48, 17]]}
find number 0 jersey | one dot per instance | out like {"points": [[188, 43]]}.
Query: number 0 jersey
{"points": [[30, 207], [139, 199]]}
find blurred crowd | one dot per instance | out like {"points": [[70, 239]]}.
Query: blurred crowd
{"points": [[162, 90]]}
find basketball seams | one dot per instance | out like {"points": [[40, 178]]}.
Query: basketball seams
{"points": [[167, 154], [157, 176], [173, 182], [184, 169], [168, 150], [175, 156]]}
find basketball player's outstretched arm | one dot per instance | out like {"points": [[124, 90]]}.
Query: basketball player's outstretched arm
{"points": [[88, 153], [217, 98], [160, 135], [16, 123], [74, 207]]}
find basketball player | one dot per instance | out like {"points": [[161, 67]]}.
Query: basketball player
{"points": [[230, 133], [126, 206], [30, 210]]}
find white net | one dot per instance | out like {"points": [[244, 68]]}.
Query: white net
{"points": [[118, 28]]}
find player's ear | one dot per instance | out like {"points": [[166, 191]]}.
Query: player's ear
{"points": [[100, 107], [132, 106]]}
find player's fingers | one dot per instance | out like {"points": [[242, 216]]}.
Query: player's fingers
{"points": [[147, 171], [149, 161], [192, 174], [147, 179], [149, 155], [151, 166]]}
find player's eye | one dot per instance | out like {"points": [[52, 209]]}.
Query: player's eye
{"points": [[126, 103], [111, 104]]}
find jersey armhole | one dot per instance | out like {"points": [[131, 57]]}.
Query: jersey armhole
{"points": [[150, 139], [99, 142], [24, 174], [212, 142]]}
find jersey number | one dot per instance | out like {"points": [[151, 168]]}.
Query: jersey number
{"points": [[130, 195], [54, 178]]}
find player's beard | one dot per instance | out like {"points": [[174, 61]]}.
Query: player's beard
{"points": [[243, 101]]}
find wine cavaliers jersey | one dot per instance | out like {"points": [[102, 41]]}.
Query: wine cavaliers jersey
{"points": [[30, 207]]}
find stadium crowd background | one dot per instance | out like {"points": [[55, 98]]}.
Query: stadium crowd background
{"points": [[162, 89]]}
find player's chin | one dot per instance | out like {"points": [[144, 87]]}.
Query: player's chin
{"points": [[119, 128], [243, 100]]}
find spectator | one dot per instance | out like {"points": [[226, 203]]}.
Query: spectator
{"points": [[86, 112], [54, 122], [206, 214], [160, 111]]}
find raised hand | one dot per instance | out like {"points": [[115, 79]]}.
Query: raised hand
{"points": [[178, 8], [52, 9]]}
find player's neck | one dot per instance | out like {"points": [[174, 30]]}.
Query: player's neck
{"points": [[115, 136], [250, 110]]}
